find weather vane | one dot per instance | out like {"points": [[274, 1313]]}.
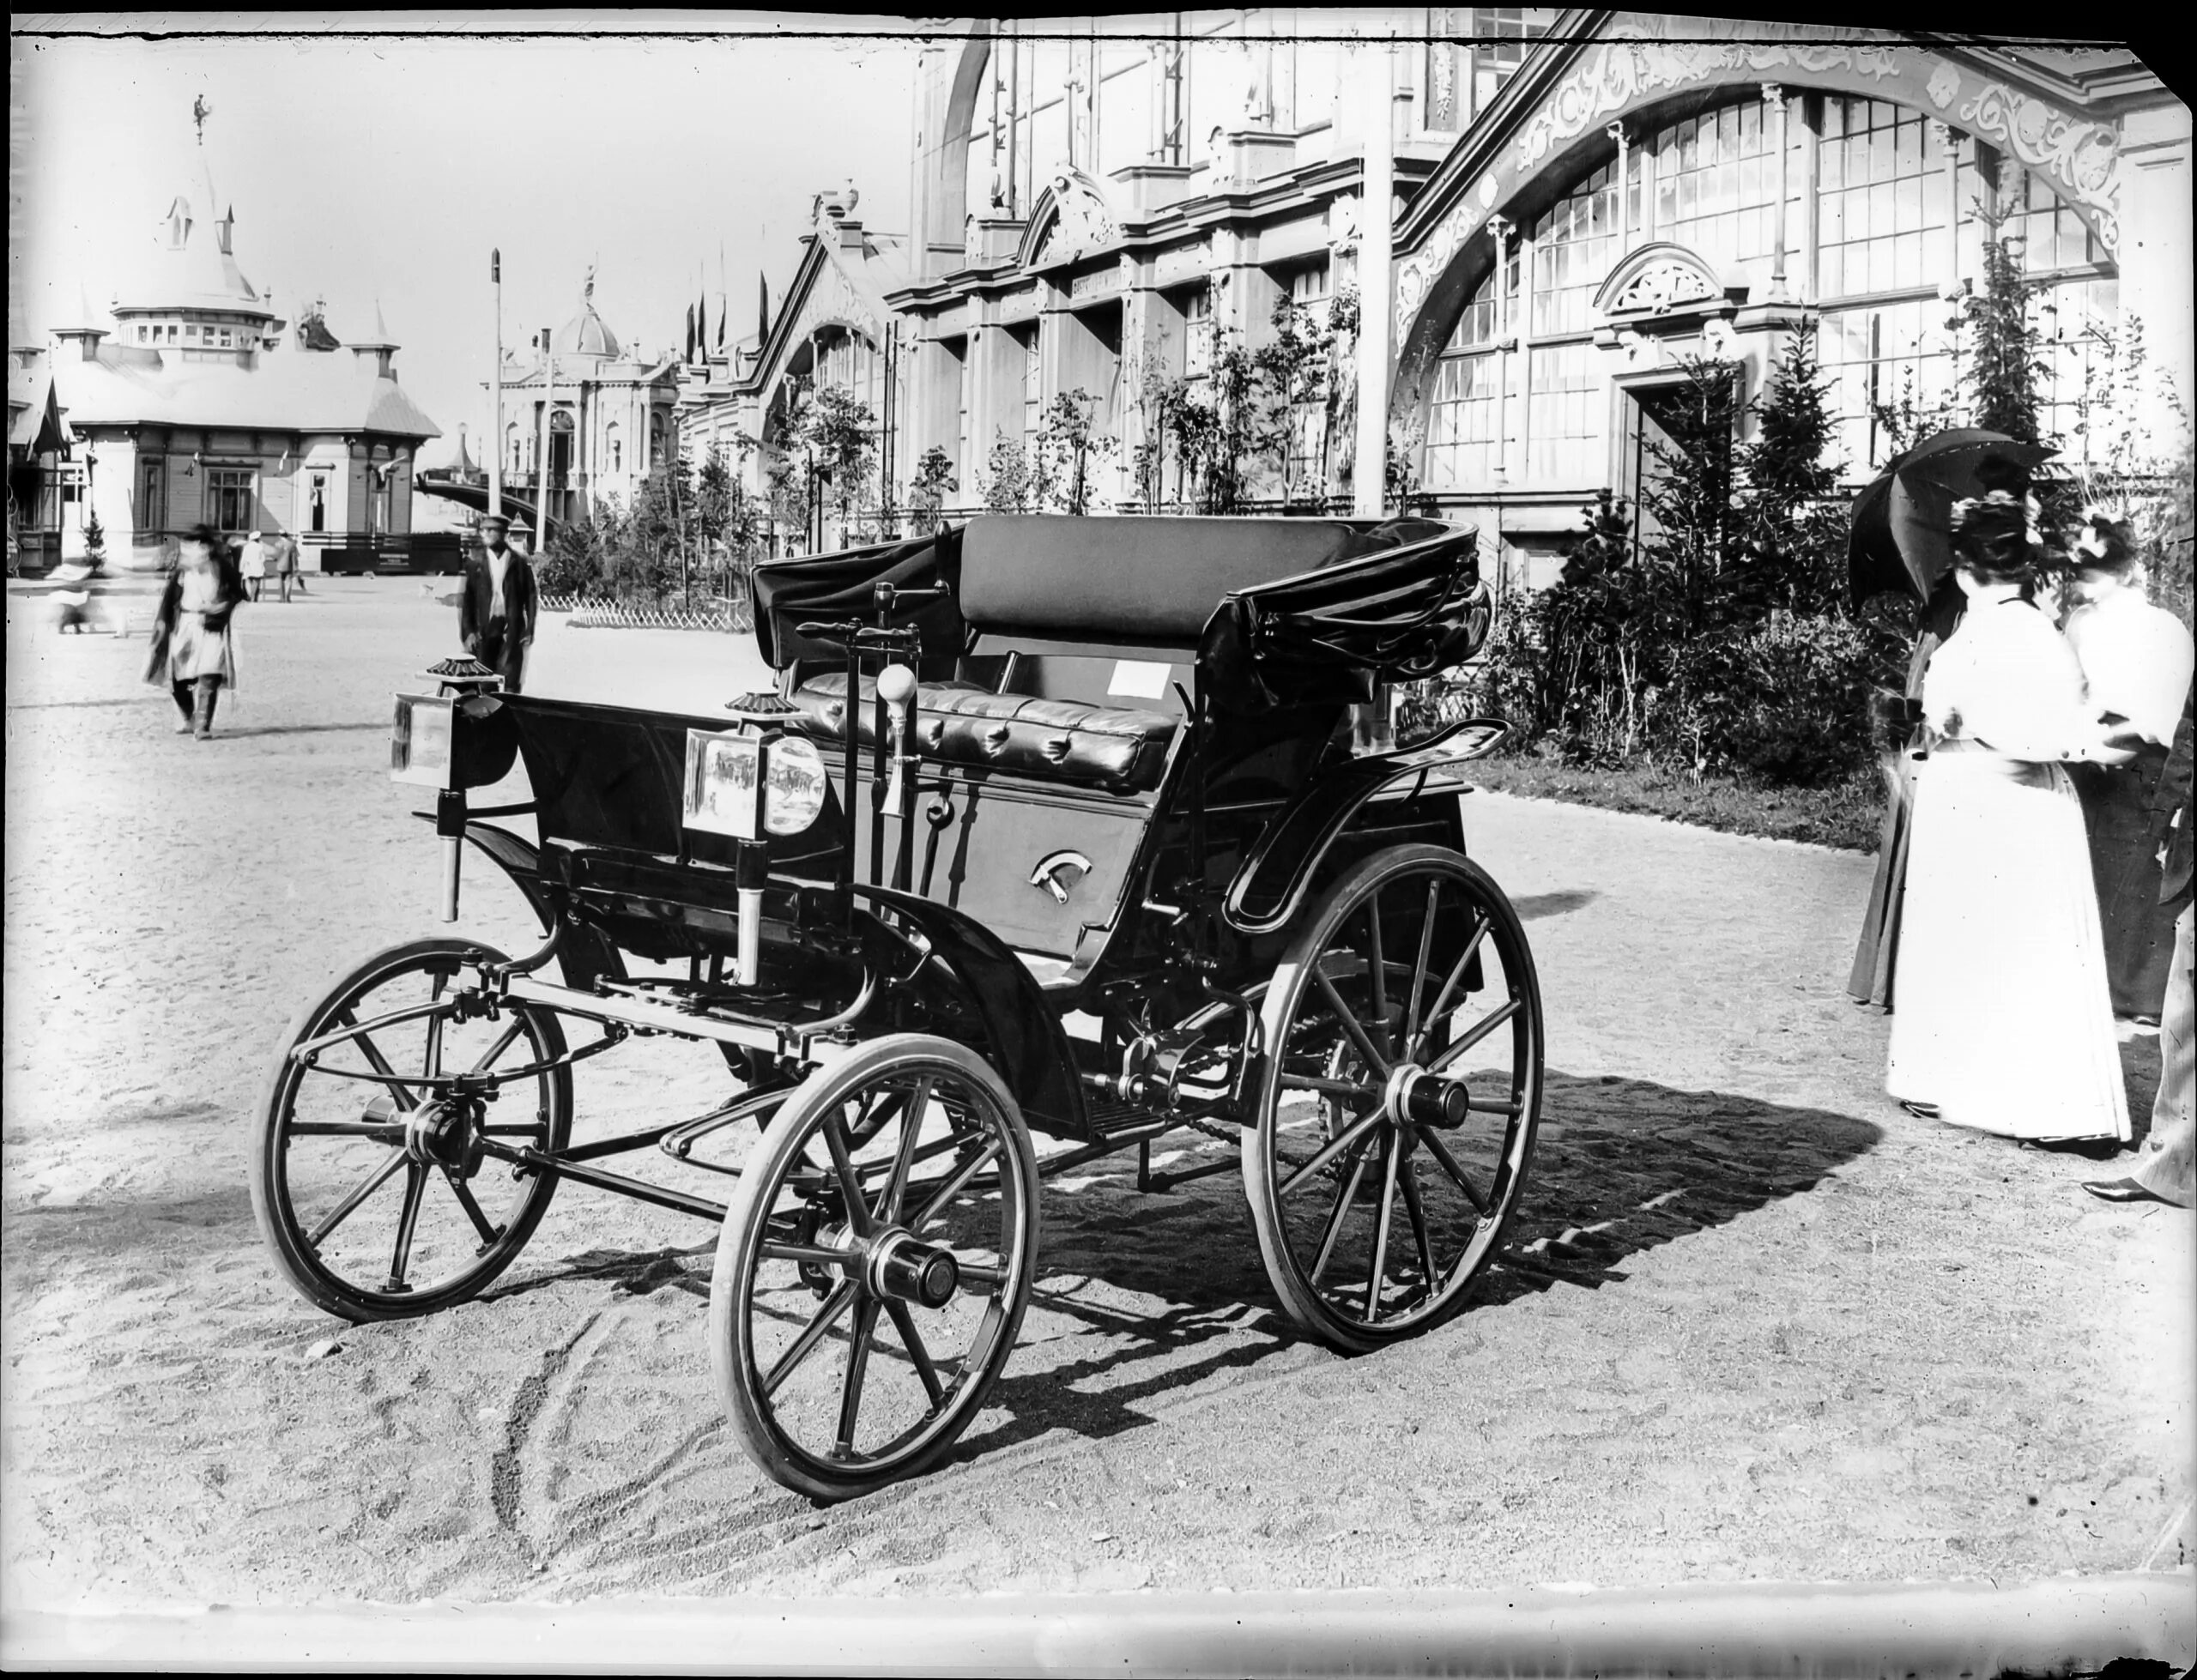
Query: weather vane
{"points": [[200, 111]]}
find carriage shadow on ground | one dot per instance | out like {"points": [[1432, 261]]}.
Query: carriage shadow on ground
{"points": [[1621, 1167]]}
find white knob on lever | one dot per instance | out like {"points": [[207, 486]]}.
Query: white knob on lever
{"points": [[896, 686]]}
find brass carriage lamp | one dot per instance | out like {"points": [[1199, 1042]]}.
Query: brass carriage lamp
{"points": [[750, 783]]}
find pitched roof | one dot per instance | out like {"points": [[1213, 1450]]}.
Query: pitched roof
{"points": [[285, 391]]}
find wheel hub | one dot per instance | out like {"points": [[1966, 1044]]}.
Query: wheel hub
{"points": [[446, 1133], [900, 1266], [1413, 1096]]}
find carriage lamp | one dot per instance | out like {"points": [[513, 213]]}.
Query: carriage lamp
{"points": [[750, 783], [451, 740]]}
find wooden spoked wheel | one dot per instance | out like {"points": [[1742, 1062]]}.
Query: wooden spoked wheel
{"points": [[367, 1177], [1398, 1101], [874, 1266]]}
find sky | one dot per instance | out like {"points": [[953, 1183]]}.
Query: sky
{"points": [[385, 168]]}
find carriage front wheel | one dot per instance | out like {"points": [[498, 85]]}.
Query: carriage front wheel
{"points": [[1399, 1097], [874, 1266], [368, 1176]]}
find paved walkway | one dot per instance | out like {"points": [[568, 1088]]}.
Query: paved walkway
{"points": [[1754, 1322]]}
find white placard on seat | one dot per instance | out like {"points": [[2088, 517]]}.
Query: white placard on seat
{"points": [[1140, 679]]}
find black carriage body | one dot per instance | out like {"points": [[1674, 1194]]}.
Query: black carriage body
{"points": [[1137, 789], [1123, 698]]}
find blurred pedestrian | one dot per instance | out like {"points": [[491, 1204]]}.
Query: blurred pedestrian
{"points": [[194, 643], [2002, 1021], [2136, 658], [72, 584], [253, 564], [496, 607], [282, 558]]}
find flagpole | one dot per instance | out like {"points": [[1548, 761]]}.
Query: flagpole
{"points": [[496, 385], [548, 433]]}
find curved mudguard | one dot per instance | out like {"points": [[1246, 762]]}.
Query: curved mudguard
{"points": [[1270, 886], [1028, 1049]]}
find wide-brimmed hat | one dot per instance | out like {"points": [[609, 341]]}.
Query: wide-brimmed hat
{"points": [[488, 519]]}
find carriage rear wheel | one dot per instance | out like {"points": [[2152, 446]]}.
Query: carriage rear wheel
{"points": [[1398, 1101], [369, 1183], [874, 1266]]}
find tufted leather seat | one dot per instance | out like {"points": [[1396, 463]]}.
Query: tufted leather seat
{"points": [[1116, 749]]}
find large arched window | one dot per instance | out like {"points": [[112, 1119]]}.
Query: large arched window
{"points": [[1885, 222]]}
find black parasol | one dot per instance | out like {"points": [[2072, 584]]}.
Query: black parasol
{"points": [[1902, 538]]}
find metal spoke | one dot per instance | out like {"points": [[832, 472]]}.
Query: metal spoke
{"points": [[379, 1062], [911, 1125], [407, 1221], [850, 1390], [1328, 1151], [463, 1191], [382, 1131], [1440, 1151], [1346, 1194], [1351, 1024], [805, 1343], [1412, 1206], [1479, 1031], [517, 1026], [344, 1209], [1380, 977], [1381, 1233], [959, 1176], [1419, 968], [835, 1139], [918, 1355], [1442, 998]]}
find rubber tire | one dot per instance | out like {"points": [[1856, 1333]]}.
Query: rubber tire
{"points": [[1339, 902], [270, 1203], [732, 1353]]}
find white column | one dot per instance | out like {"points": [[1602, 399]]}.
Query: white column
{"points": [[1774, 97], [1499, 230], [1376, 251]]}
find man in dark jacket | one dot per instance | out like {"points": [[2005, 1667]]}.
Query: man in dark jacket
{"points": [[495, 612]]}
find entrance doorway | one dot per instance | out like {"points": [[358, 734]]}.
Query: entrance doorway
{"points": [[1677, 435]]}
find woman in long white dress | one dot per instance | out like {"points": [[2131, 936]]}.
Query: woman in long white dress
{"points": [[2004, 1022]]}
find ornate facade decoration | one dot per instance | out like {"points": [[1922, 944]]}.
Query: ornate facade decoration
{"points": [[2080, 156], [1620, 72], [1082, 222], [1663, 285], [1945, 82]]}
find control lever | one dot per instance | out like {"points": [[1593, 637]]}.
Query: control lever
{"points": [[896, 686]]}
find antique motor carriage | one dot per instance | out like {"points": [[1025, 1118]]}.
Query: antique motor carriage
{"points": [[1087, 828]]}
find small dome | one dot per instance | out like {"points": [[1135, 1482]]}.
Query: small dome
{"points": [[585, 335]]}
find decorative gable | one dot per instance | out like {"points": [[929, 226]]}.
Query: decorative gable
{"points": [[1665, 279], [1071, 219]]}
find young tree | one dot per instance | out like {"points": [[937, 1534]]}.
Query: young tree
{"points": [[1289, 377], [1793, 544], [1006, 480], [1068, 445], [841, 434], [2005, 358], [928, 490]]}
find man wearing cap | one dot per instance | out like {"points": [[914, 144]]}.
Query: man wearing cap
{"points": [[495, 610]]}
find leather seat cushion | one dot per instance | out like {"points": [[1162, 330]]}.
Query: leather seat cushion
{"points": [[1120, 750]]}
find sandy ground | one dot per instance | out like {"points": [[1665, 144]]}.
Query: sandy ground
{"points": [[1754, 1321]]}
